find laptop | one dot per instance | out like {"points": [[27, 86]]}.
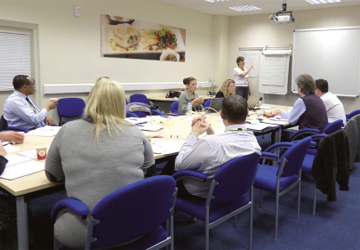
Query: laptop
{"points": [[215, 105], [252, 101]]}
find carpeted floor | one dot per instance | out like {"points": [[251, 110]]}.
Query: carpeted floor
{"points": [[335, 226]]}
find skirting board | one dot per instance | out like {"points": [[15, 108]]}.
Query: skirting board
{"points": [[52, 89]]}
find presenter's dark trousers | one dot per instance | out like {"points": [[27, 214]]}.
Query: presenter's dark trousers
{"points": [[242, 91]]}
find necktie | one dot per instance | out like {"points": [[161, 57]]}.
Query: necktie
{"points": [[31, 105]]}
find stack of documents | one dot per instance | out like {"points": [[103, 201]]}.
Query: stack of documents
{"points": [[19, 166], [276, 121]]}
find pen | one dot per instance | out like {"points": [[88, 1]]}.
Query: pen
{"points": [[7, 143]]}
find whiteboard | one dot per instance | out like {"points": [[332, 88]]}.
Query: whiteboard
{"points": [[332, 54], [274, 72], [251, 57]]}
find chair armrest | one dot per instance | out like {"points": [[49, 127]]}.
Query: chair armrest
{"points": [[278, 145], [76, 206], [302, 132], [269, 156], [16, 128], [312, 143], [318, 136], [189, 174], [156, 112], [130, 114]]}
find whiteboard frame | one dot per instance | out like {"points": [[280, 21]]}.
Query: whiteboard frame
{"points": [[322, 29]]}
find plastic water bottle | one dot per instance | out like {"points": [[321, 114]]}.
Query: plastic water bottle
{"points": [[189, 108]]}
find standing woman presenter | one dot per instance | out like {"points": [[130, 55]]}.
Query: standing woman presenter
{"points": [[241, 78]]}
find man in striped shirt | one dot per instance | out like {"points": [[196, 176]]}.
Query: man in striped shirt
{"points": [[209, 153]]}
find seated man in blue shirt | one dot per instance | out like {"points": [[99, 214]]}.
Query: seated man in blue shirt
{"points": [[19, 110], [309, 110]]}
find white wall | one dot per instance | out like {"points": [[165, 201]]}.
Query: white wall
{"points": [[258, 30], [69, 46]]}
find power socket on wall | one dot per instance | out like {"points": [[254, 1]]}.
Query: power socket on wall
{"points": [[77, 11]]}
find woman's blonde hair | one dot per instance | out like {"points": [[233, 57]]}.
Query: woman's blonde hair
{"points": [[106, 105], [225, 86]]}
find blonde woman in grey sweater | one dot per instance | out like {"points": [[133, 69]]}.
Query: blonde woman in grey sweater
{"points": [[96, 156]]}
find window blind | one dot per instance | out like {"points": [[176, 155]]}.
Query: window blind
{"points": [[15, 57]]}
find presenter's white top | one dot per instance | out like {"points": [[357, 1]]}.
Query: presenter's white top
{"points": [[240, 81], [334, 108]]}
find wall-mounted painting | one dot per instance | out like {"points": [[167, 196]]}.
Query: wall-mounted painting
{"points": [[130, 38]]}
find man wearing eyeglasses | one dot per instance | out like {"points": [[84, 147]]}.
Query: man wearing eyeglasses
{"points": [[20, 111]]}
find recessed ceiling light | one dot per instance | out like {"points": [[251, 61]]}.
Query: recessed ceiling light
{"points": [[215, 1], [322, 1], [244, 8]]}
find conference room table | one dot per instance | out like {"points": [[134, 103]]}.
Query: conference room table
{"points": [[174, 129]]}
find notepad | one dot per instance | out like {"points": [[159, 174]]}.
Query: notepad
{"points": [[19, 166]]}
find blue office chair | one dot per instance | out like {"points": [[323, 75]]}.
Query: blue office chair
{"points": [[138, 98], [141, 109], [70, 108], [351, 114], [136, 211], [329, 129], [284, 174], [174, 108], [307, 165], [4, 126], [227, 195], [207, 103]]}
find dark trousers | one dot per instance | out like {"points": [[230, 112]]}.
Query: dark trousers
{"points": [[169, 169], [243, 91]]}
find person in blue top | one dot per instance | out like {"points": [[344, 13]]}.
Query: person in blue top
{"points": [[20, 111], [309, 110]]}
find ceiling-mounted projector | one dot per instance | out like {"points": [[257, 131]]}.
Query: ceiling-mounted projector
{"points": [[283, 16]]}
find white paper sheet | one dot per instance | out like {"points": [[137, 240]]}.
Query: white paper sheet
{"points": [[167, 146], [45, 131], [136, 121], [16, 159], [150, 127], [10, 148], [30, 153], [22, 169]]}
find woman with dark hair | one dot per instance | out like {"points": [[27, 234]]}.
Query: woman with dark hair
{"points": [[241, 78], [190, 95]]}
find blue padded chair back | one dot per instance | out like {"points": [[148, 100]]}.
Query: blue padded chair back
{"points": [[207, 103], [133, 211], [70, 107], [295, 156], [138, 98], [174, 107], [235, 178], [333, 127], [353, 113]]}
